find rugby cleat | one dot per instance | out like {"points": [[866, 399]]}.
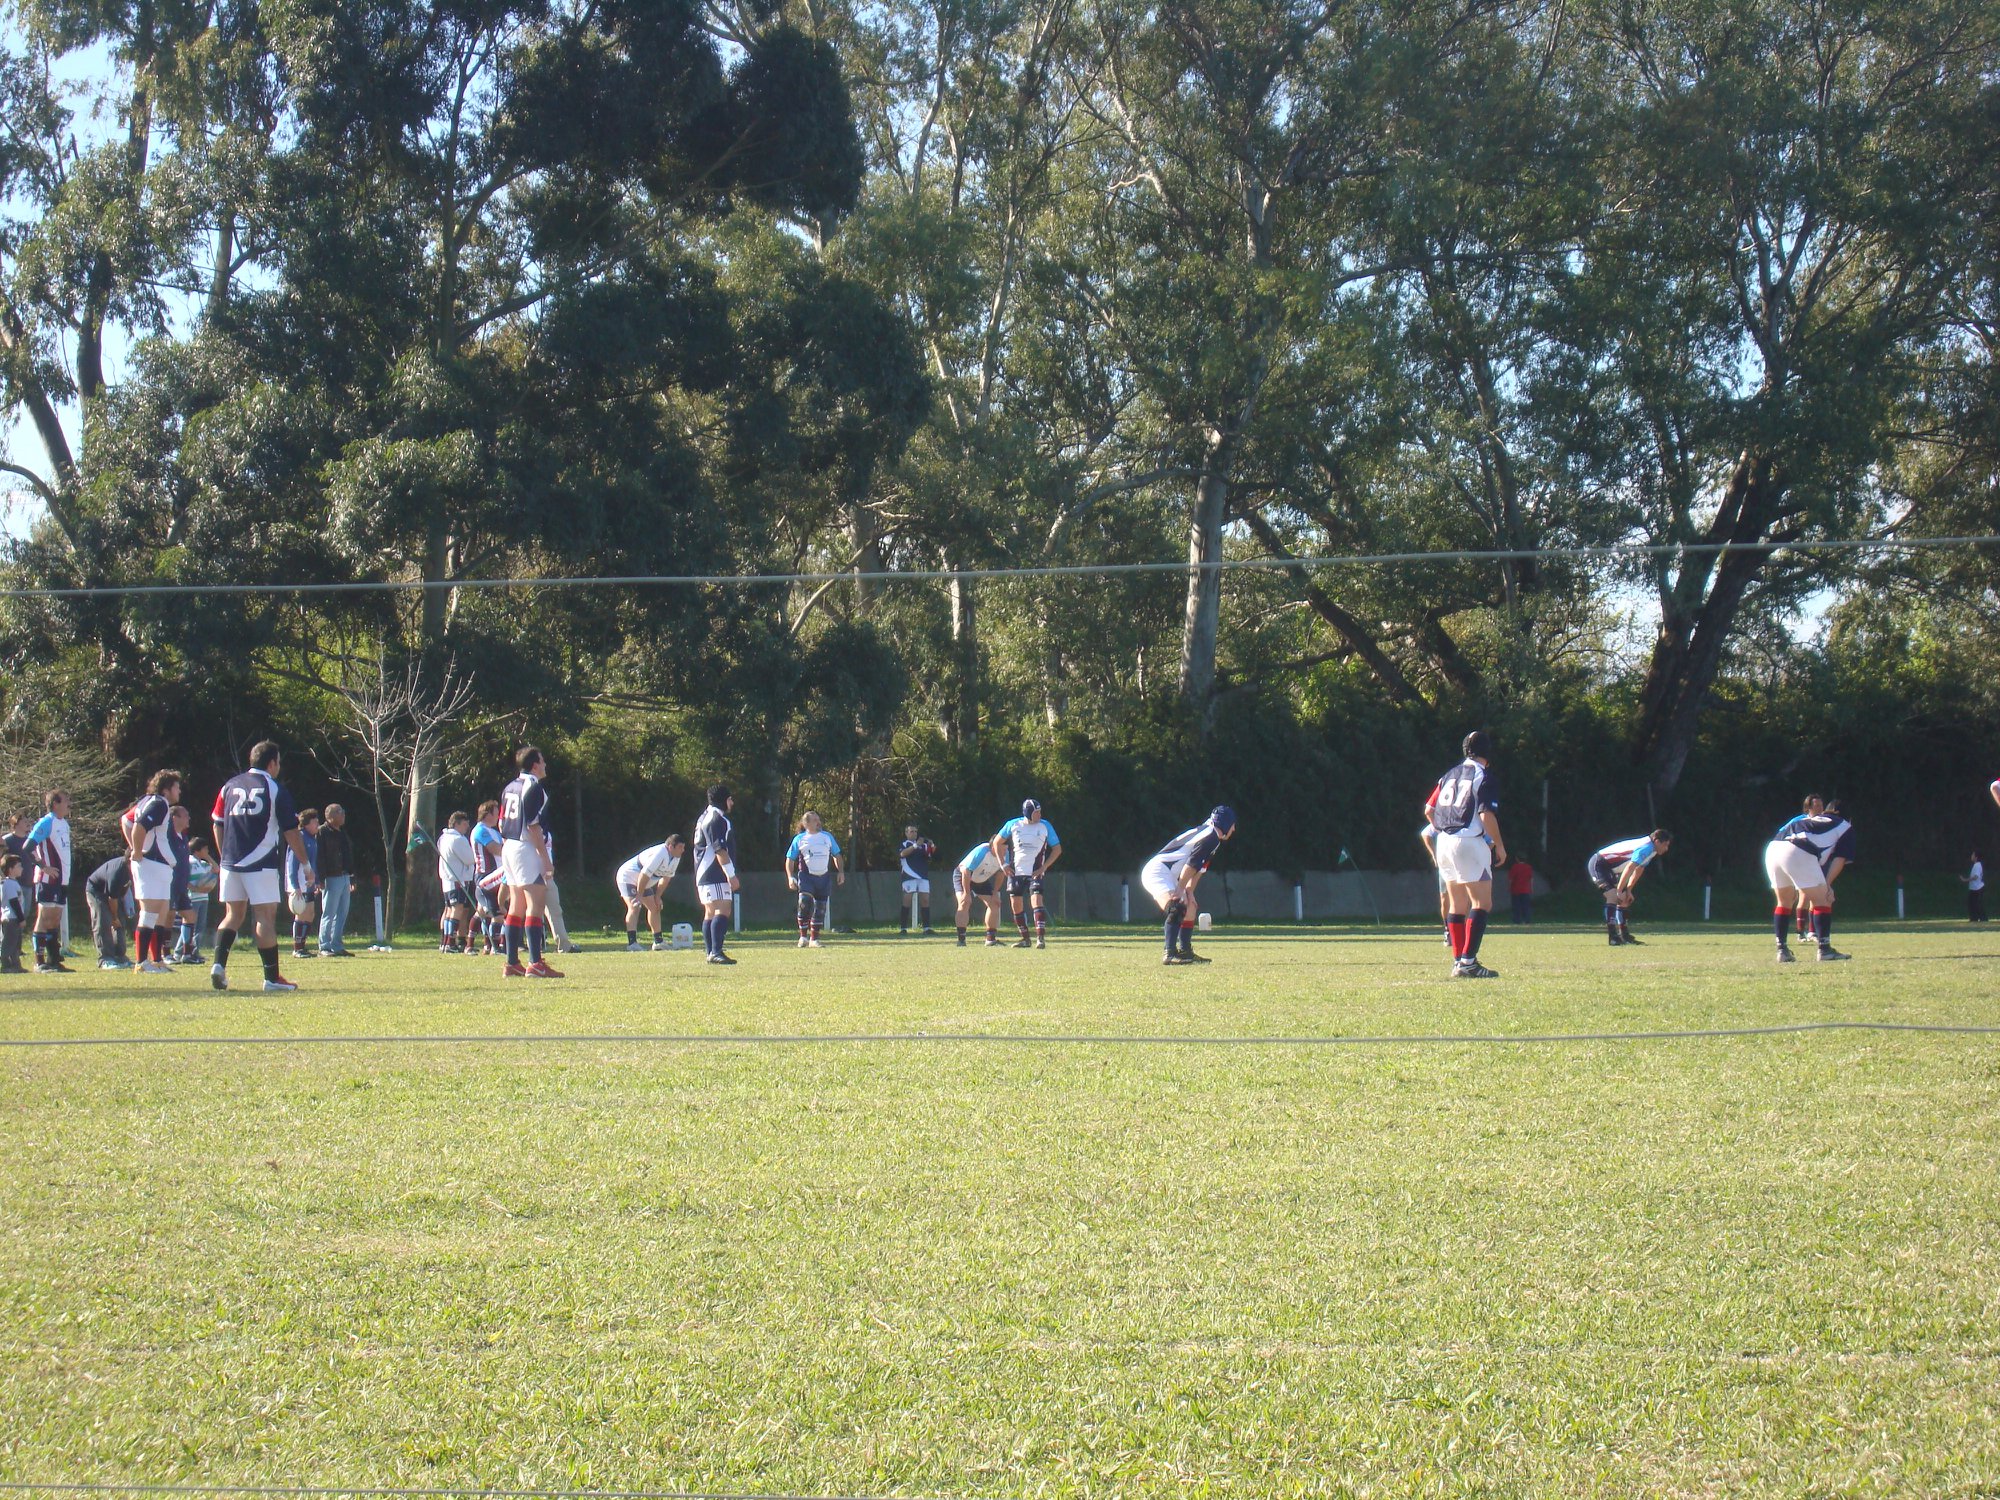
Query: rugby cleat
{"points": [[1831, 955], [218, 977], [513, 971], [1477, 970], [541, 970], [279, 986], [720, 958], [1025, 943], [1041, 942], [814, 943], [1189, 956], [633, 948], [992, 942], [1785, 956], [1176, 958], [150, 966]]}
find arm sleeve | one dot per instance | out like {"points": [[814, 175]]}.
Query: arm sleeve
{"points": [[792, 849], [833, 846]]}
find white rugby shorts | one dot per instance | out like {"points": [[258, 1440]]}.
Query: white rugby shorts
{"points": [[258, 887], [152, 881], [720, 892], [1464, 858], [1160, 883], [919, 886], [1789, 865], [628, 891], [521, 865]]}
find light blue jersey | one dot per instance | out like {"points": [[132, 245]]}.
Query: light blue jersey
{"points": [[814, 852]]}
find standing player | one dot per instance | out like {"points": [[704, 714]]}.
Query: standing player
{"points": [[524, 856], [1798, 860], [1463, 808], [1029, 846], [486, 846], [812, 864], [641, 881], [1171, 876], [715, 870], [254, 818], [146, 829], [978, 874], [49, 839], [1616, 869], [458, 872], [915, 856], [186, 948]]}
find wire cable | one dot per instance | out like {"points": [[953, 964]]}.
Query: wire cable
{"points": [[1608, 553], [991, 1038]]}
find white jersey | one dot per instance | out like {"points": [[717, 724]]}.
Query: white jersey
{"points": [[655, 864], [1032, 843], [456, 865], [980, 863]]}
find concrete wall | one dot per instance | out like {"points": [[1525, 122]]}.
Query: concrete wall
{"points": [[870, 900]]}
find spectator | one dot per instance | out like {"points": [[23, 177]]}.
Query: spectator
{"points": [[13, 914], [1975, 890], [16, 838], [336, 882], [552, 914], [1521, 886], [302, 883], [106, 891]]}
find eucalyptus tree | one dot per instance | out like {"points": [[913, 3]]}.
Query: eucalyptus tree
{"points": [[1790, 236]]}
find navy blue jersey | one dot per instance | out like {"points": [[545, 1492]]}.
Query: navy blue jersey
{"points": [[1463, 792], [1825, 836], [252, 816], [714, 848], [179, 855], [148, 819], [916, 858], [1196, 847], [523, 805]]}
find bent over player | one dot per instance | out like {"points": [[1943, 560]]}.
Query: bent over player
{"points": [[978, 874], [1463, 808], [1171, 876], [1796, 861], [1029, 846], [1616, 869], [641, 880]]}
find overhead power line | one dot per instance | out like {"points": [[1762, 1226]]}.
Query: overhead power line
{"points": [[1609, 553]]}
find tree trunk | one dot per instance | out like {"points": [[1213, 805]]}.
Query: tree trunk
{"points": [[965, 652], [1204, 583], [422, 899]]}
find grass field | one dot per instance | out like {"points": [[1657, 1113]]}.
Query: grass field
{"points": [[1740, 1265]]}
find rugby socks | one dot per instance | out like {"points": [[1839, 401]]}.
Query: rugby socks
{"points": [[1781, 923], [225, 939], [535, 932], [1187, 933], [1822, 924], [1475, 930], [1041, 922], [631, 933], [804, 916], [1455, 926], [270, 957], [1021, 921], [185, 942], [1173, 925], [924, 914], [511, 941]]}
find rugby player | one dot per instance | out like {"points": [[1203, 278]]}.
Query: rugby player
{"points": [[49, 839], [915, 857], [715, 879], [641, 881], [1463, 808], [145, 828], [255, 819], [1029, 846], [1616, 870], [1798, 860], [1171, 876], [978, 874], [458, 873], [812, 865], [524, 857], [487, 876]]}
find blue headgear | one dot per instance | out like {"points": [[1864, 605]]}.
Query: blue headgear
{"points": [[1223, 819], [1030, 806]]}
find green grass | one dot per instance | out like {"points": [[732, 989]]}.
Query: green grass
{"points": [[1764, 1265]]}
